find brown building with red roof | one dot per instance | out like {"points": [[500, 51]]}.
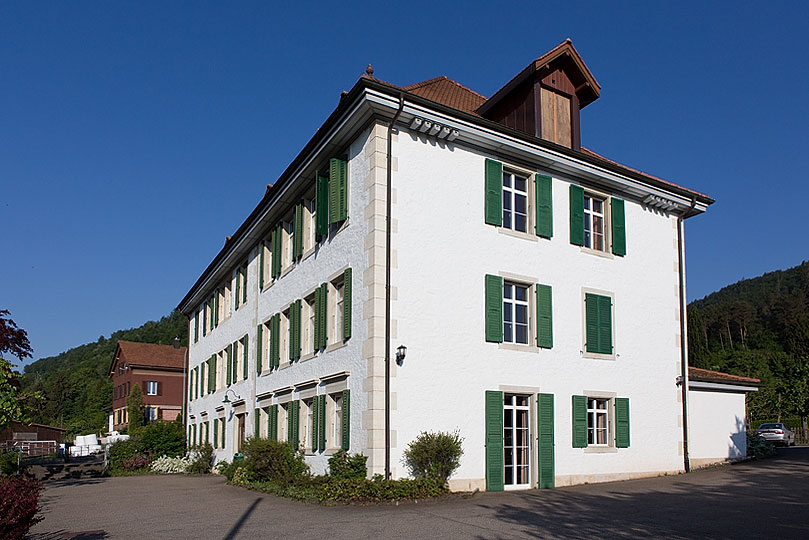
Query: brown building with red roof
{"points": [[158, 369]]}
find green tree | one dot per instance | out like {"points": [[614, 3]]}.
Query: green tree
{"points": [[135, 409], [14, 341]]}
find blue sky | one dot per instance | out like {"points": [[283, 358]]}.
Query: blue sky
{"points": [[134, 137]]}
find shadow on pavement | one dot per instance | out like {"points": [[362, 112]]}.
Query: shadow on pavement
{"points": [[238, 525]]}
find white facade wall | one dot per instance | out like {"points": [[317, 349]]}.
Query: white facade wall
{"points": [[343, 249], [717, 426], [443, 251]]}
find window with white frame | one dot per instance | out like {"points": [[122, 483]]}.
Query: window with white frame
{"points": [[305, 431], [594, 219], [336, 333], [336, 428], [283, 411], [289, 244], [151, 414], [515, 201], [598, 421], [283, 335], [151, 388], [515, 313], [309, 223], [308, 318]]}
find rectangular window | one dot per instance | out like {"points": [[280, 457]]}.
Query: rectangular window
{"points": [[335, 434], [309, 316], [308, 414], [289, 243], [598, 421], [515, 313], [151, 388], [151, 414], [336, 330], [594, 216], [283, 420], [284, 337], [516, 441], [515, 201], [309, 223]]}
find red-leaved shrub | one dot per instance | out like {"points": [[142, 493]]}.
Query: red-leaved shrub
{"points": [[138, 461], [19, 496]]}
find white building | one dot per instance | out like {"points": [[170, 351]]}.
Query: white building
{"points": [[537, 286]]}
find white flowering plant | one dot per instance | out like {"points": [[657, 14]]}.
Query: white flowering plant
{"points": [[171, 465]]}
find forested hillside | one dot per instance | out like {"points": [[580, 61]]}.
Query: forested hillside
{"points": [[759, 328], [76, 391]]}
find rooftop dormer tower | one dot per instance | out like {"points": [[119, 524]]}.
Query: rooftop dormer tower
{"points": [[545, 98]]}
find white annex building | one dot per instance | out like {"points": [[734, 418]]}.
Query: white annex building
{"points": [[434, 260]]}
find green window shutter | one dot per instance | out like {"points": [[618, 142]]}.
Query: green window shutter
{"points": [[322, 210], [256, 423], [622, 422], [276, 340], [272, 423], [212, 375], [196, 327], [216, 307], [199, 380], [324, 315], [246, 349], [322, 424], [576, 215], [260, 265], [347, 303], [216, 433], [618, 227], [190, 385], [579, 421], [229, 374], [259, 336], [494, 441], [291, 336], [237, 296], [494, 308], [338, 190], [346, 420], [544, 210], [297, 246], [605, 324], [544, 317], [315, 427], [194, 434], [318, 319], [545, 440], [244, 284], [494, 193], [296, 409], [298, 306], [234, 377], [204, 319]]}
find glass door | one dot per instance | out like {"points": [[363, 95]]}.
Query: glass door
{"points": [[516, 441]]}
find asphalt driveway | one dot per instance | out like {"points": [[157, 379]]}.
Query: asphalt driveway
{"points": [[759, 499]]}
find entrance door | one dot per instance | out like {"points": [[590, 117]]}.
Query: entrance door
{"points": [[516, 441]]}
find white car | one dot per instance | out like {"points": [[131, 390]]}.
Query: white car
{"points": [[777, 433]]}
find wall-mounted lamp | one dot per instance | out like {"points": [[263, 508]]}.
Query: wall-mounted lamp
{"points": [[401, 352], [235, 397]]}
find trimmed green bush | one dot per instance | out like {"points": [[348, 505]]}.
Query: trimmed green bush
{"points": [[343, 465], [163, 439], [434, 455], [267, 460], [122, 451]]}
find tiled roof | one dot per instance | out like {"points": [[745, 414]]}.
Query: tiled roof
{"points": [[706, 375], [451, 93], [151, 355], [599, 156]]}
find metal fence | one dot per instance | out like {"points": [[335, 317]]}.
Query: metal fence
{"points": [[30, 448]]}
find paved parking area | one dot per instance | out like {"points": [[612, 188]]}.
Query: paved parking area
{"points": [[759, 499]]}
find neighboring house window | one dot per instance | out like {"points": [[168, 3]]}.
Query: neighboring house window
{"points": [[151, 414], [597, 422], [515, 313], [594, 217], [151, 388], [515, 201]]}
